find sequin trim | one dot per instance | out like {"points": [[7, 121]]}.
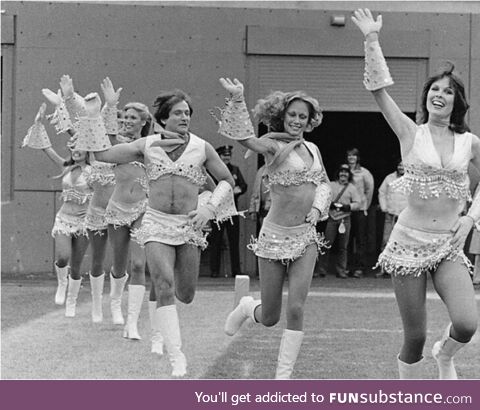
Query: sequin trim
{"points": [[69, 225], [95, 219], [413, 252], [191, 172], [168, 229], [285, 244], [234, 121], [72, 195], [429, 182], [295, 177], [118, 214], [102, 174]]}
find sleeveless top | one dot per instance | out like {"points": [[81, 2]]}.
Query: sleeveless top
{"points": [[189, 165], [293, 170], [424, 173], [79, 190]]}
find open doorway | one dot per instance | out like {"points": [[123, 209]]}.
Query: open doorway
{"points": [[379, 150]]}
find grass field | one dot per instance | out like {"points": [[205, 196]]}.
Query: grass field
{"points": [[352, 331]]}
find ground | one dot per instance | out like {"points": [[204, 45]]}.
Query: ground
{"points": [[352, 331]]}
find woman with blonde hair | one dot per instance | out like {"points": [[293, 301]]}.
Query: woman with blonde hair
{"points": [[288, 242]]}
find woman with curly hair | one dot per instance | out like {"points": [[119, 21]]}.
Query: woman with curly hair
{"points": [[288, 243]]}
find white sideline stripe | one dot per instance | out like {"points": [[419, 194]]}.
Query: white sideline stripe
{"points": [[385, 295]]}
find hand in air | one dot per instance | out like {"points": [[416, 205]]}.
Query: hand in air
{"points": [[364, 20], [461, 229], [55, 99], [111, 96], [92, 105], [66, 84], [41, 113], [235, 87]]}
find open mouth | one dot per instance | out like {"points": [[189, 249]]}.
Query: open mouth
{"points": [[438, 104]]}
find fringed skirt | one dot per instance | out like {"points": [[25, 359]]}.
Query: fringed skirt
{"points": [[413, 251], [95, 220], [120, 214], [285, 243], [68, 224], [169, 229]]}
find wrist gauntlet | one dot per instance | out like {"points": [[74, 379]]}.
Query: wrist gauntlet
{"points": [[234, 121], [474, 211], [323, 197], [376, 74], [75, 106], [60, 119], [109, 115], [222, 203], [91, 135], [37, 137]]}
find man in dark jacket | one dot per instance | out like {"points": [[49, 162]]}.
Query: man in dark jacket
{"points": [[233, 233]]}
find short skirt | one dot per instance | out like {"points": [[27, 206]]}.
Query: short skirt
{"points": [[412, 251], [70, 225], [120, 214], [285, 243], [95, 219], [169, 229]]}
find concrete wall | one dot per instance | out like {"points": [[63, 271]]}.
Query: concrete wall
{"points": [[145, 48]]}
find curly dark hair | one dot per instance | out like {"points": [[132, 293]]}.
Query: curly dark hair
{"points": [[166, 100], [460, 104]]}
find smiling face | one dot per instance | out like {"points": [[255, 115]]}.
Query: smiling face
{"points": [[343, 176], [132, 123], [296, 118], [352, 159], [440, 98], [178, 118]]}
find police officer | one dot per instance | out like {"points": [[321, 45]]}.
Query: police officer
{"points": [[233, 232]]}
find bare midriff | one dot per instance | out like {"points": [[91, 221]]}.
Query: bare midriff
{"points": [[290, 204]]}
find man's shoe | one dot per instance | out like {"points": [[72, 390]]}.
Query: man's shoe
{"points": [[342, 275], [358, 274]]}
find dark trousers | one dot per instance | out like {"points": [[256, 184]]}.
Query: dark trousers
{"points": [[358, 239], [332, 234], [215, 242]]}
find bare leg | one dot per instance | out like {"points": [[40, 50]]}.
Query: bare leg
{"points": [[79, 247], [454, 286], [187, 266], [98, 240], [120, 240], [272, 277], [63, 250], [299, 279], [410, 292]]}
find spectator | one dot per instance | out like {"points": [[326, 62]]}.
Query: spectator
{"points": [[392, 202], [363, 181], [346, 199], [232, 227], [260, 199]]}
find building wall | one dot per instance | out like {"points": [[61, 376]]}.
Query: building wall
{"points": [[146, 48]]}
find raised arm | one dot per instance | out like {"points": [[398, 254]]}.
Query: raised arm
{"points": [[377, 77], [235, 122], [109, 110]]}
